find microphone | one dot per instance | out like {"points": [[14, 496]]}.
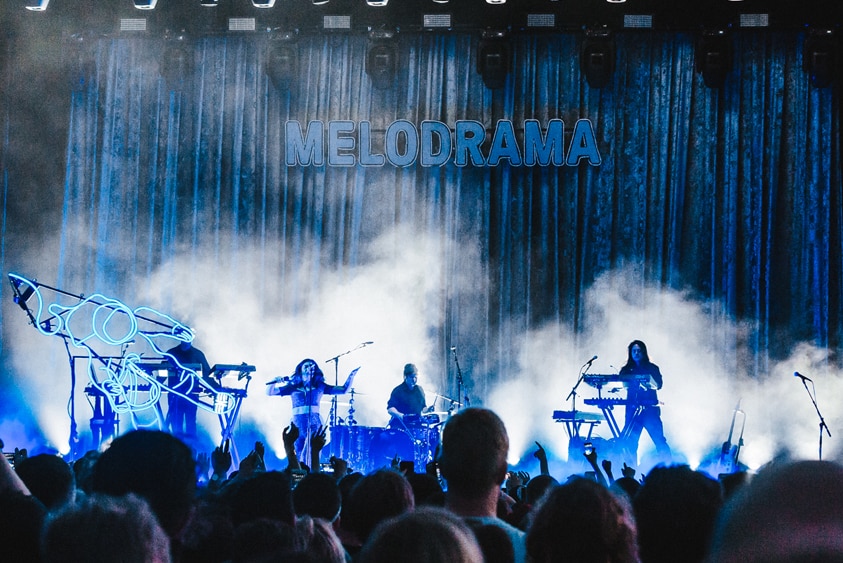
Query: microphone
{"points": [[279, 380], [588, 363], [802, 377], [369, 343]]}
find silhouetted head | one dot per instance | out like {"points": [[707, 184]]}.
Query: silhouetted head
{"points": [[49, 478], [424, 535], [582, 521], [318, 496], [376, 497], [788, 513], [154, 465], [105, 528], [265, 494], [473, 452], [675, 510]]}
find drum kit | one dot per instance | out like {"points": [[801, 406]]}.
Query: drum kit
{"points": [[367, 448]]}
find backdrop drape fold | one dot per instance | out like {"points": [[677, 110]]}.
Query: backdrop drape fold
{"points": [[731, 195]]}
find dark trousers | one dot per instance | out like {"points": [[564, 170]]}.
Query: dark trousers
{"points": [[181, 415], [650, 418]]}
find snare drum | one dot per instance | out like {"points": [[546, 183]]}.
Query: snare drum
{"points": [[426, 444]]}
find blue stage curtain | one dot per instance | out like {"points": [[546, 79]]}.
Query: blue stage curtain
{"points": [[732, 194]]}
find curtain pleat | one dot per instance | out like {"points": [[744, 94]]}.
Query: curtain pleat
{"points": [[731, 193]]}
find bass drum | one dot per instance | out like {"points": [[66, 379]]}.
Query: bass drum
{"points": [[388, 444], [351, 443]]}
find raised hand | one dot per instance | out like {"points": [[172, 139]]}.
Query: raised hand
{"points": [[260, 451], [290, 435], [220, 462], [221, 458], [339, 466], [253, 462], [319, 438], [20, 455], [607, 468], [540, 454]]}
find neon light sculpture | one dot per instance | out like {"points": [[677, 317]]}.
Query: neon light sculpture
{"points": [[92, 323]]}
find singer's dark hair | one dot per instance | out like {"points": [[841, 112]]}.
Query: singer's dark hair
{"points": [[318, 376], [645, 357]]}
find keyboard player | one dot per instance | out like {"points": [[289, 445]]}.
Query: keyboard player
{"points": [[181, 411], [646, 397]]}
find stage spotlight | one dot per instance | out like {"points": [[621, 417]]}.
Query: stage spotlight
{"points": [[493, 58], [209, 3], [819, 57], [263, 3], [282, 62], [382, 59], [597, 57], [714, 57], [145, 4], [37, 5]]}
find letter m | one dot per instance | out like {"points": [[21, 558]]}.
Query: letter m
{"points": [[307, 151], [544, 150]]}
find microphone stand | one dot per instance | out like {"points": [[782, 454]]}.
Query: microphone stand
{"points": [[583, 370], [823, 425], [332, 419], [459, 378]]}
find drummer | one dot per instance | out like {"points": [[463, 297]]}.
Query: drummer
{"points": [[407, 402]]}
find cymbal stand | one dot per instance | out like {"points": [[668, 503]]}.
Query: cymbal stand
{"points": [[350, 419], [823, 425]]}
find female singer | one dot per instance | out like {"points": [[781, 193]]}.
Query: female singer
{"points": [[306, 387]]}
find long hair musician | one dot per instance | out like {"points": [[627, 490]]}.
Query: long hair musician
{"points": [[642, 410], [306, 387]]}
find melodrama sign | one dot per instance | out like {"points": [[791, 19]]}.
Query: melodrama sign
{"points": [[433, 143]]}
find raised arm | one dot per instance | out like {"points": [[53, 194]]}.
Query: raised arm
{"points": [[541, 455], [281, 387], [9, 480], [317, 442], [290, 434], [342, 389]]}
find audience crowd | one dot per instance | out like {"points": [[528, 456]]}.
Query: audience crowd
{"points": [[148, 499]]}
